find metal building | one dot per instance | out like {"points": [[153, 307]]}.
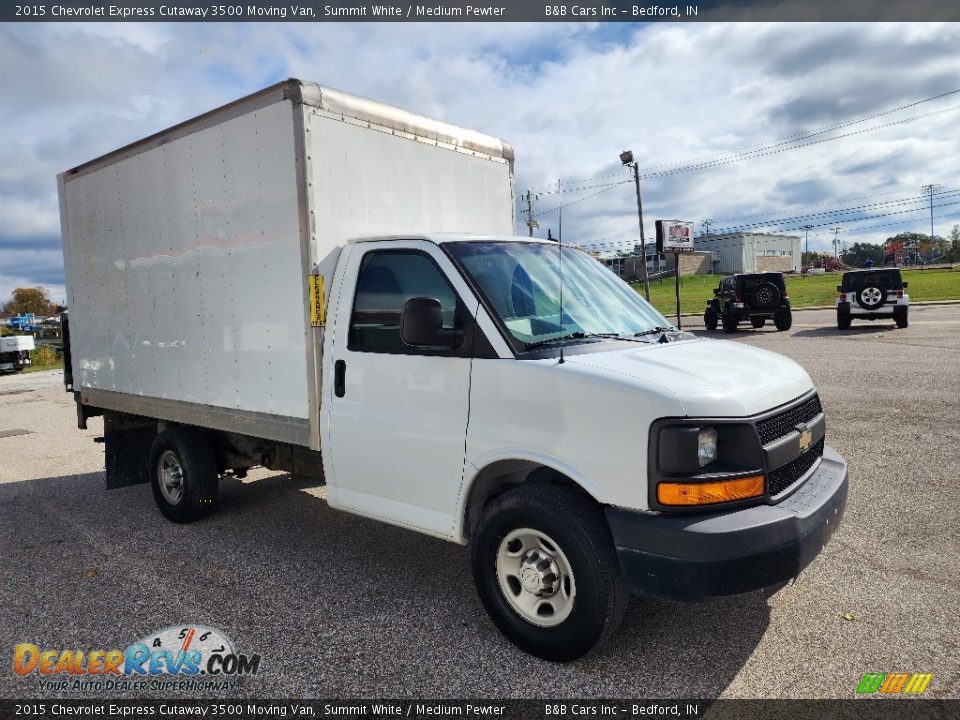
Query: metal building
{"points": [[752, 252]]}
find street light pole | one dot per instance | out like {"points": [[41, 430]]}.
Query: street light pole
{"points": [[626, 158]]}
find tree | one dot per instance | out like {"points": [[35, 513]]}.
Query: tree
{"points": [[809, 259], [858, 254], [30, 300], [955, 244], [919, 247]]}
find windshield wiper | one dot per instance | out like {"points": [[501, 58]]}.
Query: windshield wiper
{"points": [[575, 336], [657, 329]]}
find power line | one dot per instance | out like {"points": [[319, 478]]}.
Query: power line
{"points": [[708, 158], [580, 200], [751, 216], [758, 154], [869, 217], [803, 135], [897, 222], [827, 213]]}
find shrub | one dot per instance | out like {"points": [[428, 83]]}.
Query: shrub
{"points": [[45, 355]]}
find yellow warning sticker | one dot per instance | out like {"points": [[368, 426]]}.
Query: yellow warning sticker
{"points": [[318, 310]]}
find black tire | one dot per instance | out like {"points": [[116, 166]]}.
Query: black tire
{"points": [[843, 320], [783, 320], [710, 319], [578, 529], [764, 296], [900, 317], [758, 322], [871, 297], [729, 324], [198, 468]]}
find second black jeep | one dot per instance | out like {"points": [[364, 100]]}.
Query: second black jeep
{"points": [[756, 297]]}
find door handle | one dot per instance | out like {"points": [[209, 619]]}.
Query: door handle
{"points": [[339, 378]]}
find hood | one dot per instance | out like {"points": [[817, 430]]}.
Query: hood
{"points": [[716, 378]]}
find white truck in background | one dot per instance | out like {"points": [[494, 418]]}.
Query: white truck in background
{"points": [[318, 283], [15, 352]]}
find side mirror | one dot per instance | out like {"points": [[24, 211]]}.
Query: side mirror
{"points": [[716, 291], [905, 286], [421, 324], [839, 288]]}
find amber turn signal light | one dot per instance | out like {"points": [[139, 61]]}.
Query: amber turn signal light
{"points": [[707, 493]]}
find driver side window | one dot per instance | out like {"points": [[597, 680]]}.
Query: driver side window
{"points": [[387, 279]]}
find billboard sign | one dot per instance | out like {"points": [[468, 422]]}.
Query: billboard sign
{"points": [[674, 236]]}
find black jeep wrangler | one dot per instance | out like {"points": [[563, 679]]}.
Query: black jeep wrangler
{"points": [[749, 296]]}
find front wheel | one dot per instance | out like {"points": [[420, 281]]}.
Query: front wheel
{"points": [[783, 320], [758, 322], [183, 474], [547, 572], [729, 324], [710, 319]]}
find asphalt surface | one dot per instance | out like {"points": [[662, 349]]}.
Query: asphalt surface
{"points": [[340, 606]]}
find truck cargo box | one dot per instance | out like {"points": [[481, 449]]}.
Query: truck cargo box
{"points": [[188, 254]]}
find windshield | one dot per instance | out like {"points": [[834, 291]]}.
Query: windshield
{"points": [[521, 283]]}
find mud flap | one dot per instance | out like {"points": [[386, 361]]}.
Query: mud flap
{"points": [[127, 441]]}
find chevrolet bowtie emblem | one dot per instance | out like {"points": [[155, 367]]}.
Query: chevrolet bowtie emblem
{"points": [[806, 437]]}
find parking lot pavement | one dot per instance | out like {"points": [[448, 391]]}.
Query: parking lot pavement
{"points": [[22, 382], [340, 606]]}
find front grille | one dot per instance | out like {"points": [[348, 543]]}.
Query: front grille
{"points": [[775, 427], [783, 477]]}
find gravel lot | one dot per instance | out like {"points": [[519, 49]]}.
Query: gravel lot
{"points": [[340, 606]]}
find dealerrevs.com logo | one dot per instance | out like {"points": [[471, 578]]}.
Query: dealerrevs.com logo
{"points": [[189, 657]]}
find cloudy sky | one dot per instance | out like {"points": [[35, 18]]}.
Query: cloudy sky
{"points": [[731, 122]]}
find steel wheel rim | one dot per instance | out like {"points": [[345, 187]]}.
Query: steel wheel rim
{"points": [[170, 477], [871, 296], [535, 577]]}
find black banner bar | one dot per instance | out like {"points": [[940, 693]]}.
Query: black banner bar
{"points": [[858, 709], [477, 11]]}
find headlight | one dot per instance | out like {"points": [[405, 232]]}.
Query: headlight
{"points": [[707, 446], [685, 449]]}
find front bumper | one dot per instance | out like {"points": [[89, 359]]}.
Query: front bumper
{"points": [[701, 556]]}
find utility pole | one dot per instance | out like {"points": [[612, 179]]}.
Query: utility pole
{"points": [[706, 226], [806, 236], [931, 190], [531, 223], [626, 158], [836, 242]]}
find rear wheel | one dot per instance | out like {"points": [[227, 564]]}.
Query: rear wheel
{"points": [[710, 319], [900, 317], [183, 474], [729, 324], [758, 322], [547, 572], [783, 320], [843, 320]]}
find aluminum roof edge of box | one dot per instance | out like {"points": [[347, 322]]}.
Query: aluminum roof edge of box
{"points": [[328, 99]]}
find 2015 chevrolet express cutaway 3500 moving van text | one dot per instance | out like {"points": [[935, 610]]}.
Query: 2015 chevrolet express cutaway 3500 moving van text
{"points": [[314, 282]]}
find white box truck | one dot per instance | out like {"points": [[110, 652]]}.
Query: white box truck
{"points": [[15, 352], [314, 282]]}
